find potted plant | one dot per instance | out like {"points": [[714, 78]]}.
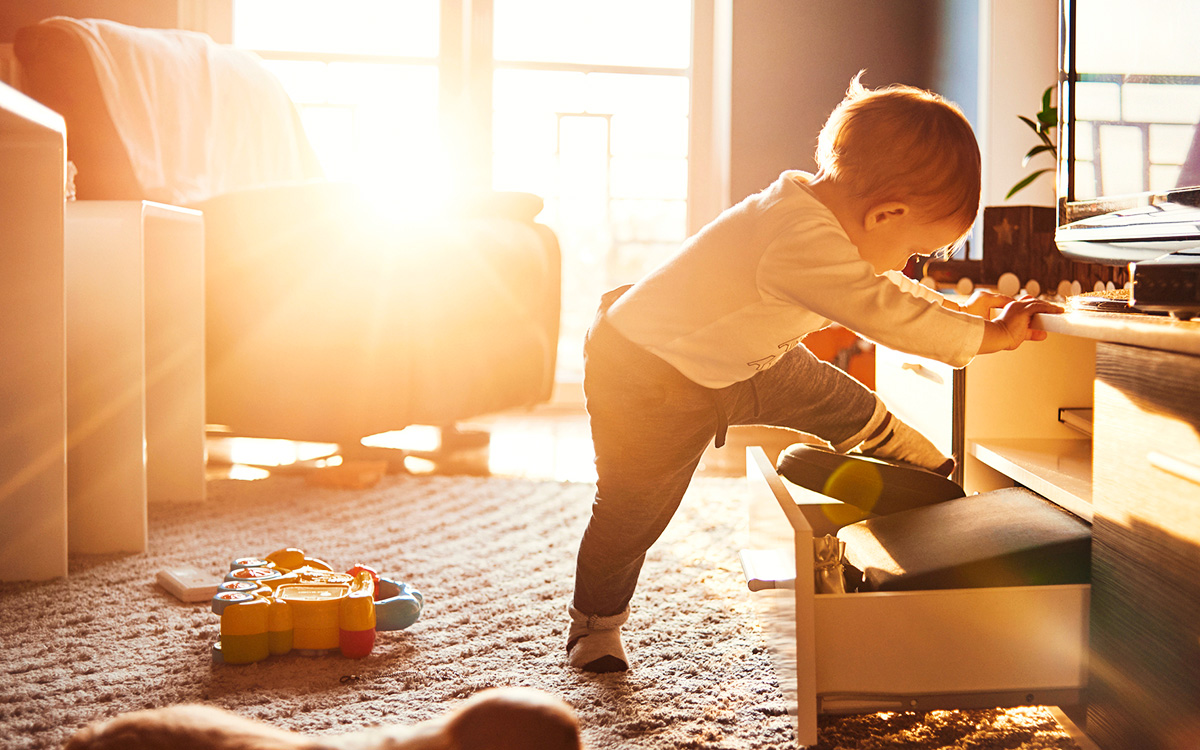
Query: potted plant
{"points": [[1046, 120], [1019, 239]]}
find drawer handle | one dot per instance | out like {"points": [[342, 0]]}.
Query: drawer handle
{"points": [[923, 371], [1176, 466], [767, 569]]}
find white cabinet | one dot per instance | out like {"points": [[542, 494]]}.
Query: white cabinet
{"points": [[1002, 417], [135, 367], [33, 416]]}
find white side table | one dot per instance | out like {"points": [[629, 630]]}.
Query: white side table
{"points": [[33, 417], [135, 367]]}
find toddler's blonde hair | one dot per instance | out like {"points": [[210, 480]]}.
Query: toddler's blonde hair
{"points": [[901, 143]]}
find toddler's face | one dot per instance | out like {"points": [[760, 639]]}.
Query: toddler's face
{"points": [[889, 245]]}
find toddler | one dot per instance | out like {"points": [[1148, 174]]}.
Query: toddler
{"points": [[713, 336]]}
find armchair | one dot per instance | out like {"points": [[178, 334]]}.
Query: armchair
{"points": [[326, 320]]}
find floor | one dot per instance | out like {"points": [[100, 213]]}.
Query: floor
{"points": [[550, 441]]}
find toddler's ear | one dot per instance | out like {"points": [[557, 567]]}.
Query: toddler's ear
{"points": [[885, 212]]}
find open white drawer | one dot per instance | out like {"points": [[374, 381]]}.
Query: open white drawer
{"points": [[909, 650]]}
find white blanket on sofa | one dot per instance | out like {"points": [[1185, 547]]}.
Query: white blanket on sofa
{"points": [[198, 119]]}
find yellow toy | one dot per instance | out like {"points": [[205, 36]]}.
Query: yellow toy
{"points": [[291, 601]]}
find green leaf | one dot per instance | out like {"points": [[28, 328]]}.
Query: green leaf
{"points": [[1047, 121], [1037, 150], [1032, 125], [1025, 182], [1041, 132], [1049, 115]]}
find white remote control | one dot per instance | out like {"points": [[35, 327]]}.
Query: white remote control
{"points": [[187, 584]]}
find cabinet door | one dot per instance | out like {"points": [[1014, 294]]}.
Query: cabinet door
{"points": [[1145, 628], [925, 394], [1012, 429], [1009, 401]]}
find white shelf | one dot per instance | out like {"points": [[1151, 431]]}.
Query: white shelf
{"points": [[1058, 469]]}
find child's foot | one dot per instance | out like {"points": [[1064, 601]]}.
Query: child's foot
{"points": [[896, 440], [594, 643]]}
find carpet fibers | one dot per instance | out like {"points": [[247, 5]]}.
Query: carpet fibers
{"points": [[494, 558]]}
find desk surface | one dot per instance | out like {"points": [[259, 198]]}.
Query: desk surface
{"points": [[1137, 329]]}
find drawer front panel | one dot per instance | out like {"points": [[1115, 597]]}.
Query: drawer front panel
{"points": [[1016, 638], [1145, 626]]}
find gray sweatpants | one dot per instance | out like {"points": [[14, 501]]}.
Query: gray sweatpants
{"points": [[650, 426]]}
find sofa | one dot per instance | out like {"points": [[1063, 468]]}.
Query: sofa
{"points": [[328, 318]]}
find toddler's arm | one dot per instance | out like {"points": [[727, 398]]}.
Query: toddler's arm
{"points": [[1011, 327], [980, 303]]}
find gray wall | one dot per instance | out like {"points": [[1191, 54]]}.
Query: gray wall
{"points": [[792, 61], [955, 54]]}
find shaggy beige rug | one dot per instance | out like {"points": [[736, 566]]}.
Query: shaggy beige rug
{"points": [[494, 559]]}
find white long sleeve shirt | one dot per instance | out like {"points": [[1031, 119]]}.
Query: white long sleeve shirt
{"points": [[767, 272]]}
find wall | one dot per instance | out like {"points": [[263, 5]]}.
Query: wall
{"points": [[1018, 59], [954, 53], [792, 61], [17, 13]]}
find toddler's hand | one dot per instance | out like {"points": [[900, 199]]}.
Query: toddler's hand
{"points": [[1011, 328], [982, 302]]}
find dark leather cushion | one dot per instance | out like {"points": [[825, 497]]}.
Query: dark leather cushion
{"points": [[1008, 537], [876, 485]]}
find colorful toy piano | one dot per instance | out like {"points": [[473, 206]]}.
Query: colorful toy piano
{"points": [[288, 601]]}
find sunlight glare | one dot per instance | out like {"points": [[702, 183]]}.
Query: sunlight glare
{"points": [[653, 33], [590, 107], [381, 27], [245, 473], [415, 437], [273, 452]]}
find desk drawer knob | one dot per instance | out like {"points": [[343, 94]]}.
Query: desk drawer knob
{"points": [[768, 569], [1176, 466], [923, 371]]}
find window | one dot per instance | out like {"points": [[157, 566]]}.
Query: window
{"points": [[589, 109], [364, 76]]}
